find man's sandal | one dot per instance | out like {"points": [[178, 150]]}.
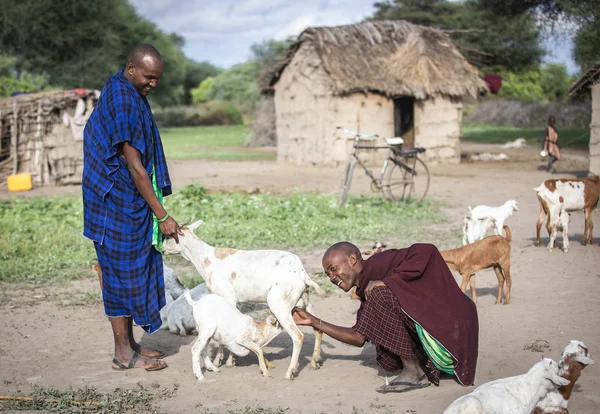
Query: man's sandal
{"points": [[121, 367], [156, 354], [404, 386]]}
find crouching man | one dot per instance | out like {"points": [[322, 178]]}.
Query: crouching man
{"points": [[411, 309]]}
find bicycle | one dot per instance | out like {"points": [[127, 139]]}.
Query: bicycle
{"points": [[404, 176]]}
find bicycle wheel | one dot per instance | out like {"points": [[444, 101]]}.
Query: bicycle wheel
{"points": [[402, 184], [347, 182]]}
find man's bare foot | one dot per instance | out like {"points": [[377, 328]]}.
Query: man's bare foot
{"points": [[138, 361]]}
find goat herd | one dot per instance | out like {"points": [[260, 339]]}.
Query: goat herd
{"points": [[279, 279], [546, 387]]}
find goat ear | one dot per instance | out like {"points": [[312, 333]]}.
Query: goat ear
{"points": [[195, 225], [559, 381], [585, 360]]}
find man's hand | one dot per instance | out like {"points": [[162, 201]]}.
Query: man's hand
{"points": [[372, 285], [170, 228], [302, 317]]}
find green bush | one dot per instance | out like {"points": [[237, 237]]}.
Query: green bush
{"points": [[204, 91], [524, 86], [208, 114]]}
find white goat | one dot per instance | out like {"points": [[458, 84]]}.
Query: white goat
{"points": [[173, 286], [177, 315], [514, 395], [219, 320], [574, 358], [474, 230], [499, 214], [557, 197], [272, 276]]}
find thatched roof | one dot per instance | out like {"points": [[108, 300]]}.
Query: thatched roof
{"points": [[48, 100], [394, 58], [590, 77]]}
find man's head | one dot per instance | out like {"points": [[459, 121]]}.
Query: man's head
{"points": [[144, 68], [551, 121], [342, 263]]}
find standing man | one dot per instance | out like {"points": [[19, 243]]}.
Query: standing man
{"points": [[411, 309], [125, 177]]}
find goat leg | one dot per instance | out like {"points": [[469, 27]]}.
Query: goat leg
{"points": [[500, 278]]}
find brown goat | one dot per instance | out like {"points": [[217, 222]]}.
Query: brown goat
{"points": [[576, 194], [492, 251]]}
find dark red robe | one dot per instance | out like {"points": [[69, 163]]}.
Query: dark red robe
{"points": [[428, 294]]}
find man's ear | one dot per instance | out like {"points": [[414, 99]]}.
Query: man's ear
{"points": [[129, 68], [352, 259]]}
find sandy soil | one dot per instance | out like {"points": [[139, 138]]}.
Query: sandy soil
{"points": [[555, 297]]}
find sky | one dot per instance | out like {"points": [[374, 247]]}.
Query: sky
{"points": [[222, 31]]}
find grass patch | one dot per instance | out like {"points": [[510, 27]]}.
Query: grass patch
{"points": [[42, 240], [221, 143], [140, 399], [42, 237], [294, 221], [576, 137]]}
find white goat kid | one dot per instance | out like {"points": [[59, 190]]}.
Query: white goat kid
{"points": [[475, 230], [173, 287], [514, 395], [272, 276], [574, 358], [219, 320], [500, 214], [177, 315]]}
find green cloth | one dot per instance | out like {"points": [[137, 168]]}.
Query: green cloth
{"points": [[157, 239], [439, 355]]}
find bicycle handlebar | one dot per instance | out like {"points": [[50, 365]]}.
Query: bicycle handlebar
{"points": [[358, 134]]}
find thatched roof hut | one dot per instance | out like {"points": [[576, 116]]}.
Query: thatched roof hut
{"points": [[591, 79], [394, 70], [42, 134]]}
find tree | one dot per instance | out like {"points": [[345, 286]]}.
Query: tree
{"points": [[488, 41], [204, 92], [238, 84], [268, 52], [555, 81], [583, 16], [80, 43], [195, 74]]}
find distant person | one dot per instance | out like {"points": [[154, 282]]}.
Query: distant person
{"points": [[411, 309], [550, 147], [125, 177]]}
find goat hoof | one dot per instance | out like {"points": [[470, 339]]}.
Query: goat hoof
{"points": [[315, 366], [565, 250]]}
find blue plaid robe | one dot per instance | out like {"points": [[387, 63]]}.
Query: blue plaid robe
{"points": [[116, 216]]}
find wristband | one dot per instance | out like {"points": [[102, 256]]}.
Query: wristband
{"points": [[162, 220]]}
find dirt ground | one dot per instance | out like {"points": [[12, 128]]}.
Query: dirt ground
{"points": [[555, 297]]}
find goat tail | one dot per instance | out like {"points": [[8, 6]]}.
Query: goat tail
{"points": [[188, 297], [309, 282], [508, 233]]}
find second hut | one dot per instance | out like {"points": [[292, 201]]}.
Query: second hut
{"points": [[392, 78]]}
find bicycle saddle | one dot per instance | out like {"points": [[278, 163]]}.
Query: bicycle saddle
{"points": [[394, 141]]}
